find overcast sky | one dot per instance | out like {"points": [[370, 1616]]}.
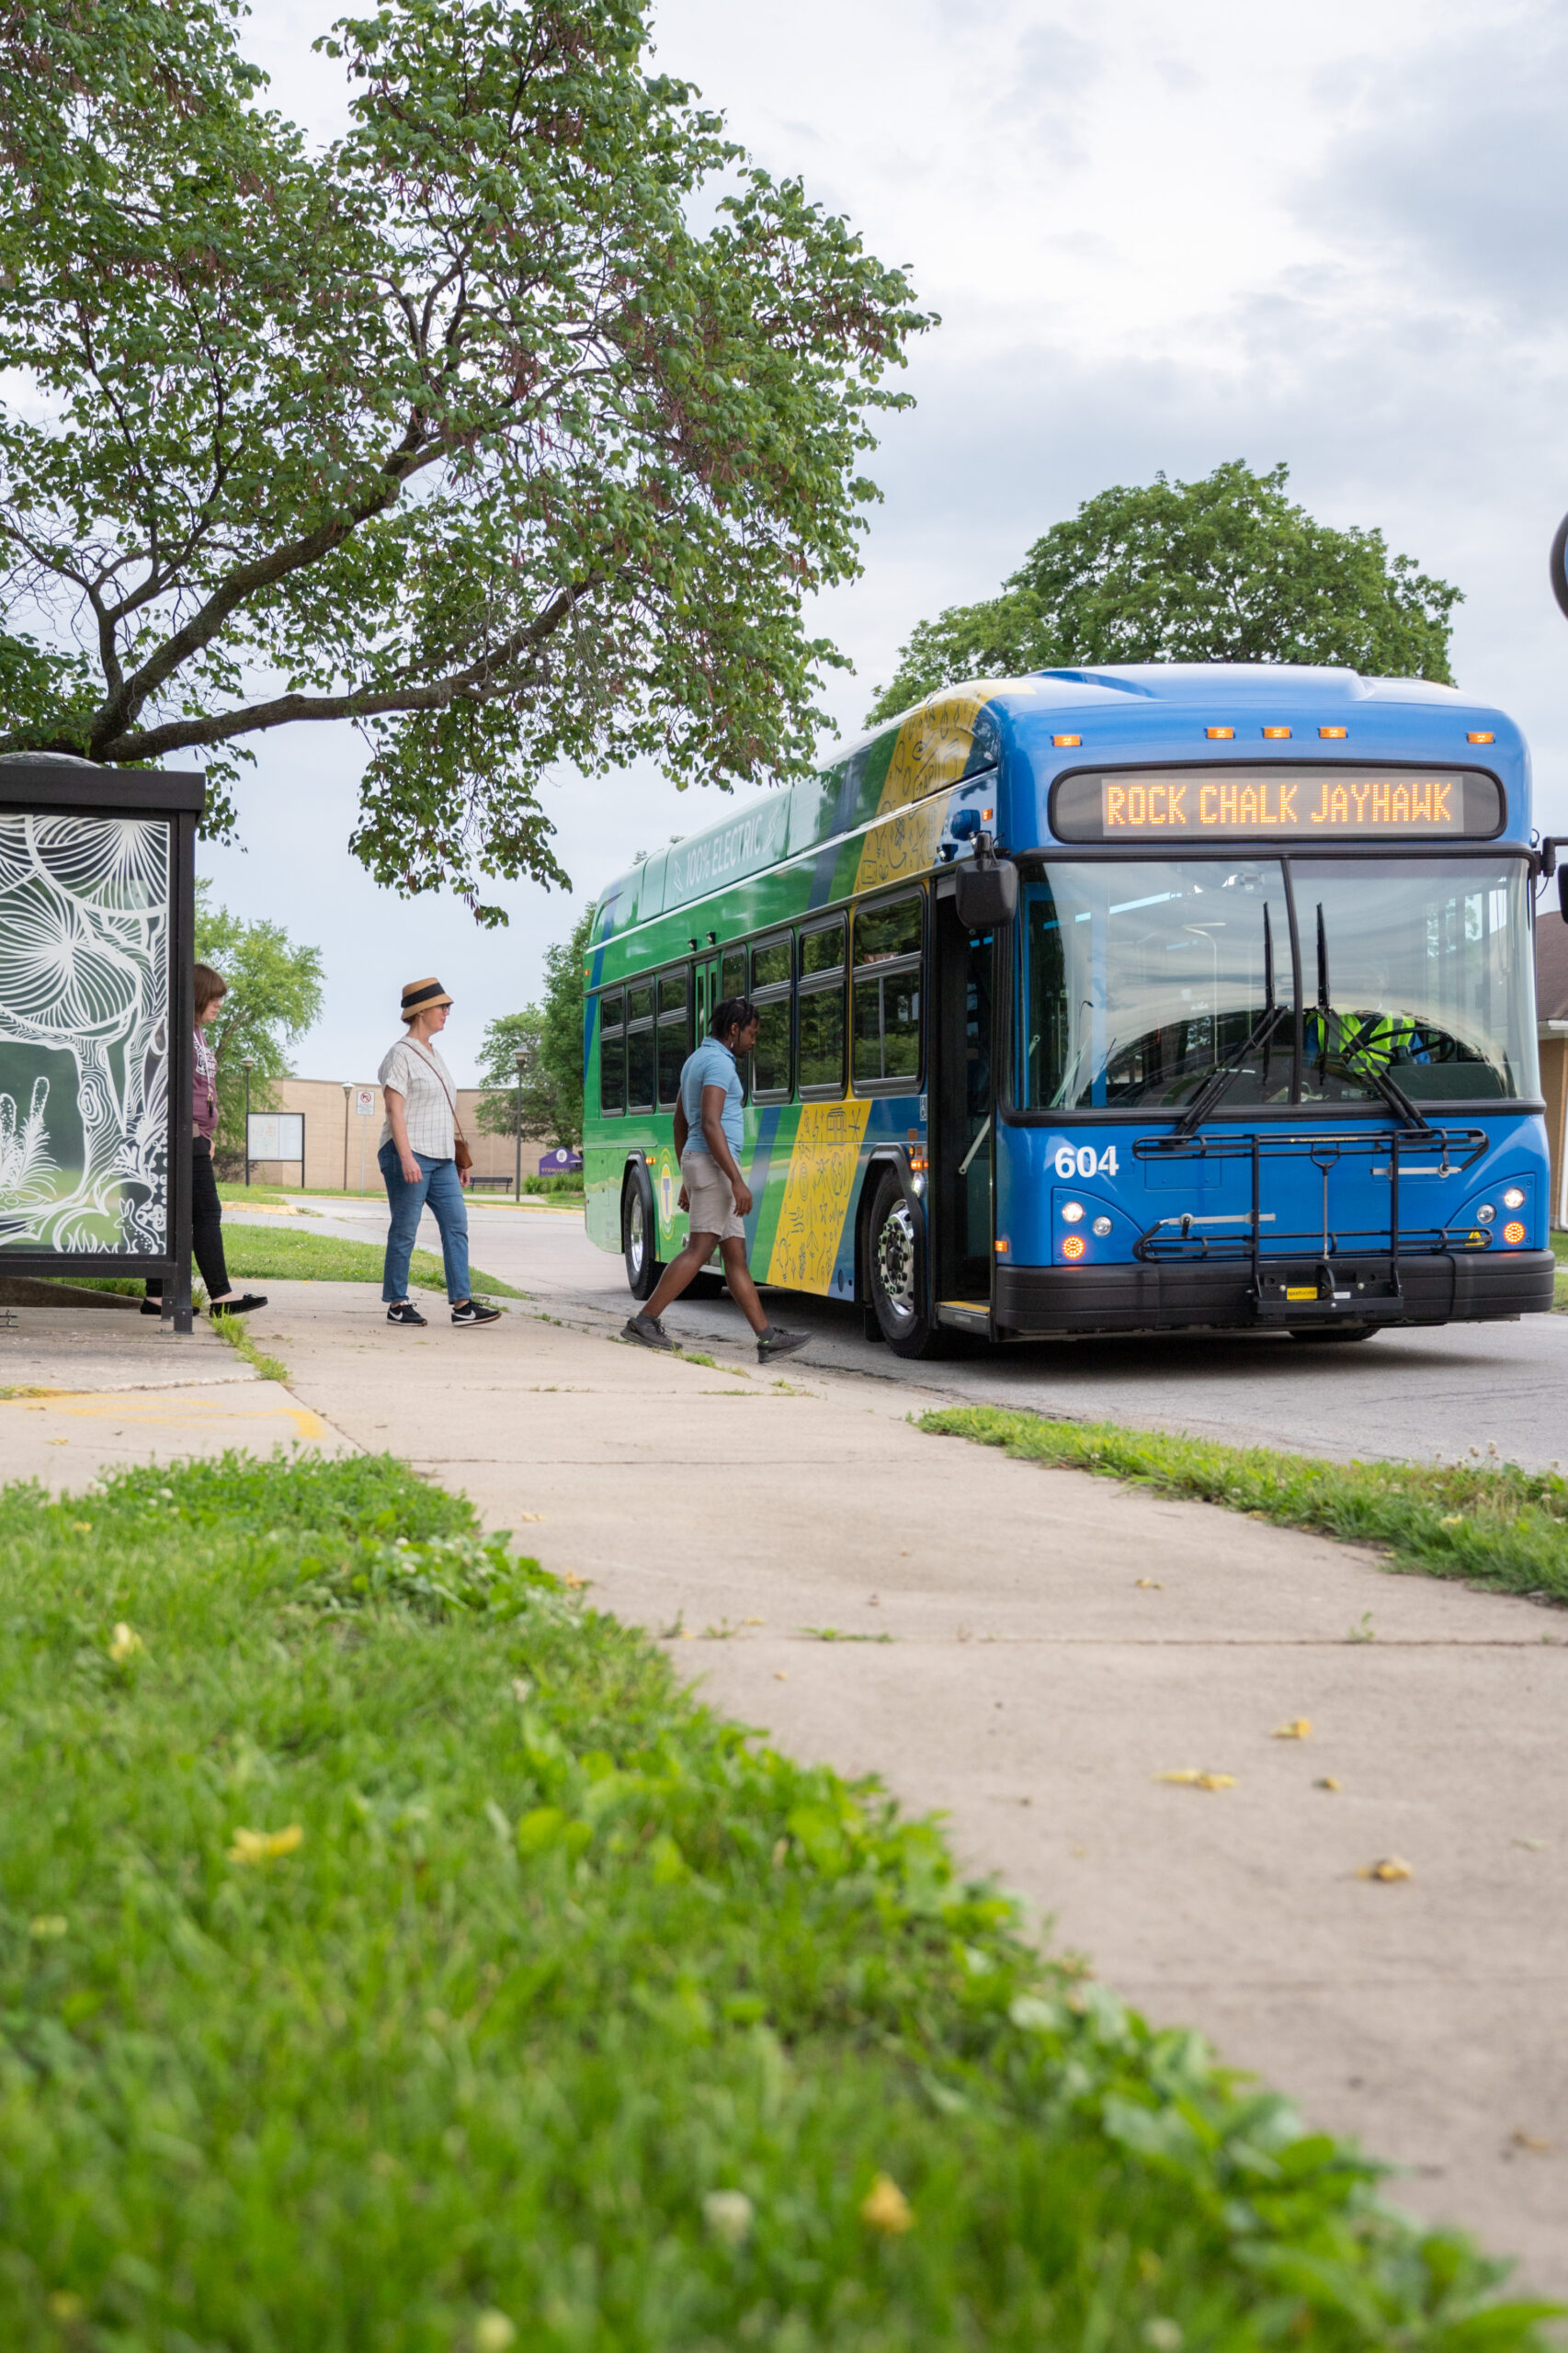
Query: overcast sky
{"points": [[1334, 235]]}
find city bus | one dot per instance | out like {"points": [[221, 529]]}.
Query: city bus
{"points": [[1142, 999]]}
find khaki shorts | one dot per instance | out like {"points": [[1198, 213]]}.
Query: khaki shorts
{"points": [[711, 1196]]}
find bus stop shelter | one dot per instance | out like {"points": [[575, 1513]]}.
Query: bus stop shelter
{"points": [[96, 950]]}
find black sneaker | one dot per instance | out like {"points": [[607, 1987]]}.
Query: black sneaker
{"points": [[404, 1312], [152, 1307], [245, 1306], [774, 1341], [471, 1310], [647, 1331]]}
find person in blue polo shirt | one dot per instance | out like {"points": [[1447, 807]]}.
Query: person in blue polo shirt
{"points": [[709, 1134]]}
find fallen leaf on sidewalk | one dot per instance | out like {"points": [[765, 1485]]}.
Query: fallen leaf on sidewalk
{"points": [[1299, 1728], [1391, 1867], [1153, 1582], [1189, 1777], [780, 1675], [1534, 2143], [1535, 1845], [1327, 1782], [754, 1621], [530, 1514]]}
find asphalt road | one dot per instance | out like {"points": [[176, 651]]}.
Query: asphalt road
{"points": [[1400, 1395]]}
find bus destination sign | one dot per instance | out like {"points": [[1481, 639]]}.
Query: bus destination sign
{"points": [[1279, 800]]}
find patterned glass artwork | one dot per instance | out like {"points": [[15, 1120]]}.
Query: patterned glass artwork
{"points": [[84, 1033]]}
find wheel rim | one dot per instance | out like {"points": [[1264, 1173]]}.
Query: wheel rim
{"points": [[895, 1263], [636, 1237]]}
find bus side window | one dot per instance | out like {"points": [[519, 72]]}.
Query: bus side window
{"points": [[821, 1018], [612, 1055], [675, 1033], [888, 937], [733, 983], [640, 1049], [772, 963]]}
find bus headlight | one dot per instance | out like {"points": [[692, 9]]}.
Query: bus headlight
{"points": [[1102, 1227], [1486, 1213], [1072, 1211], [1514, 1198]]}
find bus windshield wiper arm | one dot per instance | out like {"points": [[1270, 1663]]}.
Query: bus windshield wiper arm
{"points": [[1393, 1095], [1218, 1080]]}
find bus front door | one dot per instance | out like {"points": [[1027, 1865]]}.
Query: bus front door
{"points": [[961, 1123]]}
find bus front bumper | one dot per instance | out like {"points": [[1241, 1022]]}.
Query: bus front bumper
{"points": [[1447, 1287]]}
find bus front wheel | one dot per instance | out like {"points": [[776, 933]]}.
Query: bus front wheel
{"points": [[896, 1262], [639, 1235]]}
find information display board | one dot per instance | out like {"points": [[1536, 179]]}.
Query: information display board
{"points": [[275, 1136], [1277, 801]]}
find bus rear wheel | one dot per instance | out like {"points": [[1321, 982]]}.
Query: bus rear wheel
{"points": [[895, 1259], [639, 1235]]}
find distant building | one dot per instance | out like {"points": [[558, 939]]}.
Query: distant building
{"points": [[341, 1138]]}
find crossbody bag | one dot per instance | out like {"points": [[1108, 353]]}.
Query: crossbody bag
{"points": [[461, 1157]]}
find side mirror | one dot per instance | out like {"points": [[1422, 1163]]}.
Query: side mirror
{"points": [[1563, 891], [985, 889]]}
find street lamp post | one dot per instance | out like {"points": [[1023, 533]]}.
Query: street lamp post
{"points": [[521, 1060], [247, 1063]]}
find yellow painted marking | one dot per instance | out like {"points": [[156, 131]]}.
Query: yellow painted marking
{"points": [[167, 1407], [903, 844], [816, 1194], [934, 744]]}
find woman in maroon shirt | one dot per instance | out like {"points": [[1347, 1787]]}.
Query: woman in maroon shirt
{"points": [[206, 1210]]}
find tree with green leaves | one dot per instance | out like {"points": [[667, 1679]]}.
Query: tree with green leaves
{"points": [[275, 994], [550, 1034], [1223, 569], [458, 430]]}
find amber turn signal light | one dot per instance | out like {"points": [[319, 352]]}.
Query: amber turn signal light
{"points": [[1074, 1246], [1277, 734], [1062, 741], [1333, 735], [1219, 735], [1481, 736]]}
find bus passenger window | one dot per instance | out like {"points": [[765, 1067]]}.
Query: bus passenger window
{"points": [[639, 1050], [887, 993], [734, 980], [770, 975], [612, 1055], [821, 1011], [675, 1034]]}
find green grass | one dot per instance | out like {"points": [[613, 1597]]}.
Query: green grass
{"points": [[257, 1254], [392, 1956], [1489, 1525], [238, 1193]]}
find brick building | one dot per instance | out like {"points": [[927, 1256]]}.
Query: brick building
{"points": [[341, 1138]]}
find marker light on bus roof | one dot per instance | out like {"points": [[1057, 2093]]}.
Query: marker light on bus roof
{"points": [[1333, 735], [1481, 736], [1060, 741], [1219, 735], [1277, 734]]}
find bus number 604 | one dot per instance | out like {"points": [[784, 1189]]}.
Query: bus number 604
{"points": [[1085, 1163]]}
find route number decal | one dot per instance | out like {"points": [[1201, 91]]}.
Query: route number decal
{"points": [[1084, 1163]]}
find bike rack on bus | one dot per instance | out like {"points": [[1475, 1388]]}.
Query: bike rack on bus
{"points": [[1176, 1238]]}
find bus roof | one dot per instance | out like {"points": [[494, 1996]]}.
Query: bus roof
{"points": [[1049, 720]]}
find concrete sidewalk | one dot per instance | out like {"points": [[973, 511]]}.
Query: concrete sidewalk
{"points": [[1029, 1650]]}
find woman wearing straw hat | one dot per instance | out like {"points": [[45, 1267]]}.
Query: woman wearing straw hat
{"points": [[424, 1159]]}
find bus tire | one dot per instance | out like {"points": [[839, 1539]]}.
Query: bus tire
{"points": [[640, 1234], [1334, 1330], [895, 1265]]}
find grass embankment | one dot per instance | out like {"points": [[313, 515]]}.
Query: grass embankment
{"points": [[1489, 1525], [393, 1955], [259, 1253]]}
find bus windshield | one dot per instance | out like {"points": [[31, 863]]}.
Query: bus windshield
{"points": [[1146, 982]]}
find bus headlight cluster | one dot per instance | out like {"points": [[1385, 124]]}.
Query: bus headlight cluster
{"points": [[1072, 1211], [1514, 1198]]}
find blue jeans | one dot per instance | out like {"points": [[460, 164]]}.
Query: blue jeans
{"points": [[440, 1186]]}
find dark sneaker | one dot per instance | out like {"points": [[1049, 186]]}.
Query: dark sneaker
{"points": [[245, 1306], [152, 1307], [404, 1312], [469, 1311], [648, 1333], [774, 1341]]}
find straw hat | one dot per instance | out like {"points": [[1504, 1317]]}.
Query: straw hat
{"points": [[419, 996]]}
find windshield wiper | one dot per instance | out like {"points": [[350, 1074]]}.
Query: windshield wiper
{"points": [[1393, 1095], [1219, 1079]]}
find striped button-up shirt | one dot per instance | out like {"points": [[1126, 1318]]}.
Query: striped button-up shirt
{"points": [[428, 1107]]}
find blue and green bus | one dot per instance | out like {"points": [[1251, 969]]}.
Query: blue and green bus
{"points": [[1139, 999]]}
